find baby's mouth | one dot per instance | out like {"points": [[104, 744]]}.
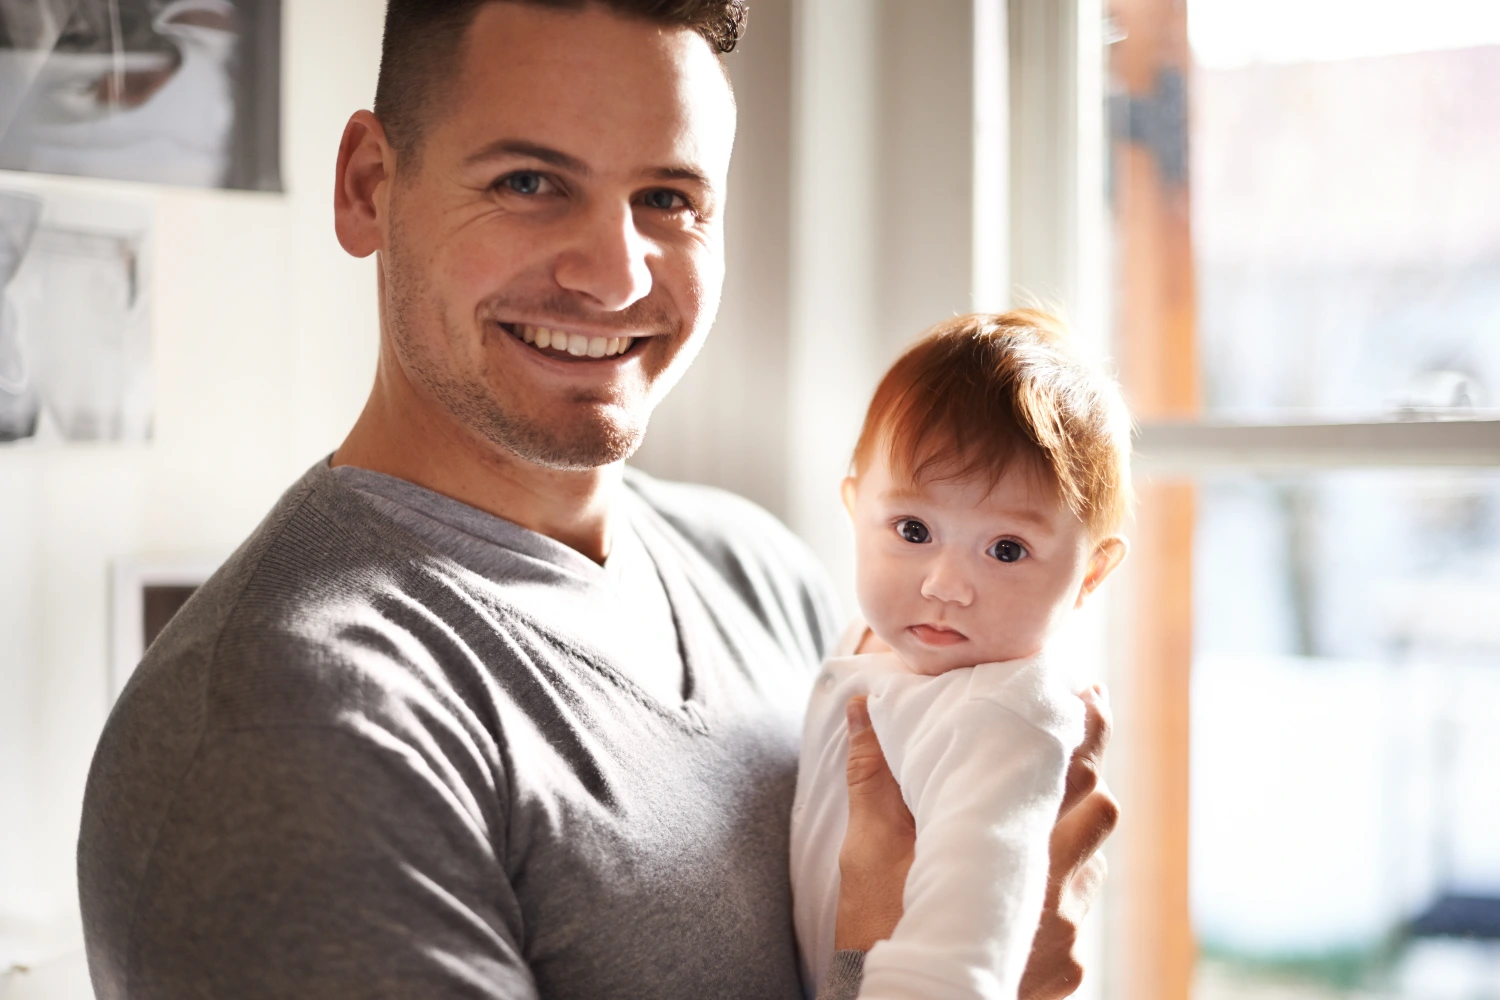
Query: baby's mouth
{"points": [[937, 635], [563, 345]]}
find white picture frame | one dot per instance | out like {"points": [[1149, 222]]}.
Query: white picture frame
{"points": [[131, 579]]}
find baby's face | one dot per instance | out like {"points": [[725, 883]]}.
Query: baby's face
{"points": [[957, 574]]}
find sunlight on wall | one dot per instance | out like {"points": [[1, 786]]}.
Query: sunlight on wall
{"points": [[1226, 33]]}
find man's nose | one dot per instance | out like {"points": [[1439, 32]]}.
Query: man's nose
{"points": [[609, 260], [946, 581]]}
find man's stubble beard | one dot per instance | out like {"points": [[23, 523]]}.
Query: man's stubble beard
{"points": [[576, 445]]}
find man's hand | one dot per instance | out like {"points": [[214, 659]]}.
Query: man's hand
{"points": [[878, 844], [1088, 815]]}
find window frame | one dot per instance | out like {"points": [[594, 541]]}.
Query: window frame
{"points": [[1061, 226], [1193, 447]]}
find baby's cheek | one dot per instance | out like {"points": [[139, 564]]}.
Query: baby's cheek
{"points": [[879, 592]]}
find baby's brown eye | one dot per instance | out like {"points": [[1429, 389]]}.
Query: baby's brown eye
{"points": [[1008, 550], [913, 531]]}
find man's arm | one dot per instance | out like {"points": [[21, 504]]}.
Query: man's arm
{"points": [[301, 861]]}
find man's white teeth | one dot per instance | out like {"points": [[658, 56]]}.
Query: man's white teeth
{"points": [[575, 344]]}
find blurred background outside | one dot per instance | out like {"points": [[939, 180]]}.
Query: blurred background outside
{"points": [[1344, 809], [1279, 218]]}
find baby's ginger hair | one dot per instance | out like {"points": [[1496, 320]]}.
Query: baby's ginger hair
{"points": [[977, 392]]}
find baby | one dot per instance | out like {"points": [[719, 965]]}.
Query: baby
{"points": [[987, 485]]}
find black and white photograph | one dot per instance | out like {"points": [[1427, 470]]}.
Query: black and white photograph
{"points": [[75, 345], [183, 92], [19, 407]]}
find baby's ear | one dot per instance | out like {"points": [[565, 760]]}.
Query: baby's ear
{"points": [[1108, 555], [847, 489]]}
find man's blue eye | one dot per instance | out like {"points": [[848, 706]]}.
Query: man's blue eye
{"points": [[913, 531], [663, 200], [1008, 550], [524, 182]]}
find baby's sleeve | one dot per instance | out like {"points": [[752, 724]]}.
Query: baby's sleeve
{"points": [[985, 781]]}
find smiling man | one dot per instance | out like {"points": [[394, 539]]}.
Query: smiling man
{"points": [[549, 225], [477, 712]]}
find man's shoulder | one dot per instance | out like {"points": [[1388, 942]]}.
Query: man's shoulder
{"points": [[302, 623], [763, 562], [297, 706], [732, 532], [710, 512]]}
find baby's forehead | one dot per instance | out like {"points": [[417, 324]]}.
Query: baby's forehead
{"points": [[1020, 485]]}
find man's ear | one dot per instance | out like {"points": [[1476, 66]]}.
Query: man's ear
{"points": [[366, 164], [1108, 555], [848, 489]]}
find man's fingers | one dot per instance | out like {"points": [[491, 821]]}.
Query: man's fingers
{"points": [[878, 844], [1053, 971], [1087, 883], [1081, 831], [868, 773], [1088, 759], [881, 828], [1089, 811], [1076, 873]]}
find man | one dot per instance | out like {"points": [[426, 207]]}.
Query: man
{"points": [[476, 712]]}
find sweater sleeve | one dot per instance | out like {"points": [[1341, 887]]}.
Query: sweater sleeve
{"points": [[843, 976], [985, 786], [304, 862]]}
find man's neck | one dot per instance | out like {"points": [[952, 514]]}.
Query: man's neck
{"points": [[430, 449]]}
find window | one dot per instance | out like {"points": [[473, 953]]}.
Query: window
{"points": [[1306, 291]]}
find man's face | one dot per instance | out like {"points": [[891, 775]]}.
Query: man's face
{"points": [[571, 181], [955, 574]]}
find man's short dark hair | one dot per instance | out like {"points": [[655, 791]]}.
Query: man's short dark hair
{"points": [[423, 39]]}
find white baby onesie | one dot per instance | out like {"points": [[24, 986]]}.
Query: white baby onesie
{"points": [[981, 754]]}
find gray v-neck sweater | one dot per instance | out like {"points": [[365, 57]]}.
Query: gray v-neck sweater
{"points": [[359, 764]]}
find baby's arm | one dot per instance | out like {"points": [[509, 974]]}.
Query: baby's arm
{"points": [[985, 785]]}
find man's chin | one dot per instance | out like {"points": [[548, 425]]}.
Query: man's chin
{"points": [[576, 447], [567, 434]]}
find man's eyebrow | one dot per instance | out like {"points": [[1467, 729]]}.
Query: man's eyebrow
{"points": [[680, 174], [517, 147], [572, 164]]}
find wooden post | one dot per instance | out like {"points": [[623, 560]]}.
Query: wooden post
{"points": [[1157, 351]]}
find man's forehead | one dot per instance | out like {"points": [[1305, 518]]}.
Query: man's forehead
{"points": [[595, 85]]}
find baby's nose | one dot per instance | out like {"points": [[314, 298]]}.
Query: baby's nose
{"points": [[948, 584]]}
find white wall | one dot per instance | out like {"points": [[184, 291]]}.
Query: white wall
{"points": [[726, 423], [264, 345], [850, 227]]}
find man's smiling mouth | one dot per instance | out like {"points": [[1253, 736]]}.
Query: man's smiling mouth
{"points": [[564, 345]]}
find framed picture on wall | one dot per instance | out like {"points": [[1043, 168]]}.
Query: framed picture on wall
{"points": [[75, 317], [144, 595], [163, 91]]}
